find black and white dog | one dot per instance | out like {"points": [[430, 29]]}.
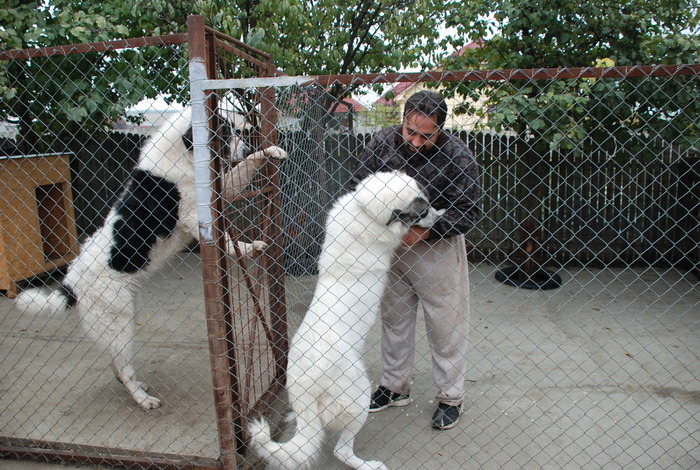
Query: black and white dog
{"points": [[155, 217]]}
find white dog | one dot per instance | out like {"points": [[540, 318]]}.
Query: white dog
{"points": [[326, 379], [155, 217]]}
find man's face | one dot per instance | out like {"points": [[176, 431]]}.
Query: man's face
{"points": [[420, 132]]}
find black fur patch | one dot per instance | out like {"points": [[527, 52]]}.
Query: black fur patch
{"points": [[412, 214], [147, 210], [223, 135], [67, 292]]}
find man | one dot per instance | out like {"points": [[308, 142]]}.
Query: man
{"points": [[431, 267]]}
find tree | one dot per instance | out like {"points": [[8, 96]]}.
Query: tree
{"points": [[339, 36], [89, 92], [68, 96], [564, 114], [624, 118]]}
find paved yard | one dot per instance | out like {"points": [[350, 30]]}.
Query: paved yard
{"points": [[603, 372]]}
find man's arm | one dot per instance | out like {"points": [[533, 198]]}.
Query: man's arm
{"points": [[464, 196]]}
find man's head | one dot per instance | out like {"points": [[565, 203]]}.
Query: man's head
{"points": [[423, 118]]}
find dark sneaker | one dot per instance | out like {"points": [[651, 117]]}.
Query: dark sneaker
{"points": [[446, 416], [383, 398]]}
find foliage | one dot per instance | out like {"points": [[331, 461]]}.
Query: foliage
{"points": [[91, 91], [382, 115], [568, 114], [67, 95], [340, 36]]}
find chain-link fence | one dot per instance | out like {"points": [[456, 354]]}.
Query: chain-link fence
{"points": [[99, 202], [583, 266]]}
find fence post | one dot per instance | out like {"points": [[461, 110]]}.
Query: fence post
{"points": [[275, 253], [214, 267]]}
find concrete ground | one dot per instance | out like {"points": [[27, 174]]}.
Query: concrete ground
{"points": [[603, 372]]}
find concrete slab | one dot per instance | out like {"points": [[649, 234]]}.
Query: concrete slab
{"points": [[603, 372]]}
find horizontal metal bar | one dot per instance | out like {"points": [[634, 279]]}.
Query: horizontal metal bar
{"points": [[460, 76], [512, 74], [56, 452], [230, 83], [93, 47], [35, 155]]}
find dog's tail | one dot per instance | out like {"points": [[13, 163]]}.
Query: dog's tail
{"points": [[44, 302], [296, 453]]}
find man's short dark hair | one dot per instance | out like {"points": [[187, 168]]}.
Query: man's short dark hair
{"points": [[429, 103]]}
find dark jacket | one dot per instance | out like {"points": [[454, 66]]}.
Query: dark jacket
{"points": [[448, 172]]}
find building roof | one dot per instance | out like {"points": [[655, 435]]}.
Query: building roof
{"points": [[387, 98]]}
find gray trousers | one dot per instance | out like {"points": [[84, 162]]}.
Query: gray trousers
{"points": [[436, 276]]}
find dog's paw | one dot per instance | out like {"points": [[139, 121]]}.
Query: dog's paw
{"points": [[259, 432], [138, 390], [252, 250], [276, 152], [249, 250], [257, 247], [146, 401]]}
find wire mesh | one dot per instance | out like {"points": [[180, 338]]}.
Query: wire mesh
{"points": [[73, 135], [583, 268], [588, 179]]}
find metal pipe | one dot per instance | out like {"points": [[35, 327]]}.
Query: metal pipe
{"points": [[214, 274]]}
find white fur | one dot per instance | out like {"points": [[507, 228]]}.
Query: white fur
{"points": [[41, 302], [106, 297], [326, 379]]}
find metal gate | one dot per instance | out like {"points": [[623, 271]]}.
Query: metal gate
{"points": [[59, 403]]}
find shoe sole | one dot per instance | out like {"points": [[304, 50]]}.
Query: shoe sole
{"points": [[445, 428], [395, 403]]}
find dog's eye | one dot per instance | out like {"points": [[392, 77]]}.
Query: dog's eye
{"points": [[245, 132]]}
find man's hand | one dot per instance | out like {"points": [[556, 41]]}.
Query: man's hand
{"points": [[414, 235]]}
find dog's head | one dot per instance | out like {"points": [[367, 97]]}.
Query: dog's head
{"points": [[396, 200], [418, 212], [230, 137]]}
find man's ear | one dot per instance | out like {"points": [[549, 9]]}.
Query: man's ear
{"points": [[187, 139]]}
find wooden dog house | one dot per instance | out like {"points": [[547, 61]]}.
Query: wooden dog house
{"points": [[37, 219]]}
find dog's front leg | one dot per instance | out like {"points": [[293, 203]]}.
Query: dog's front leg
{"points": [[240, 176], [248, 250]]}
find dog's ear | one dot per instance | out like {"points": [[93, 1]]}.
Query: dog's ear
{"points": [[419, 207], [187, 139], [416, 210]]}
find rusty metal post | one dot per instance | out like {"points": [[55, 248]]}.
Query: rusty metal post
{"points": [[214, 261], [278, 315]]}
